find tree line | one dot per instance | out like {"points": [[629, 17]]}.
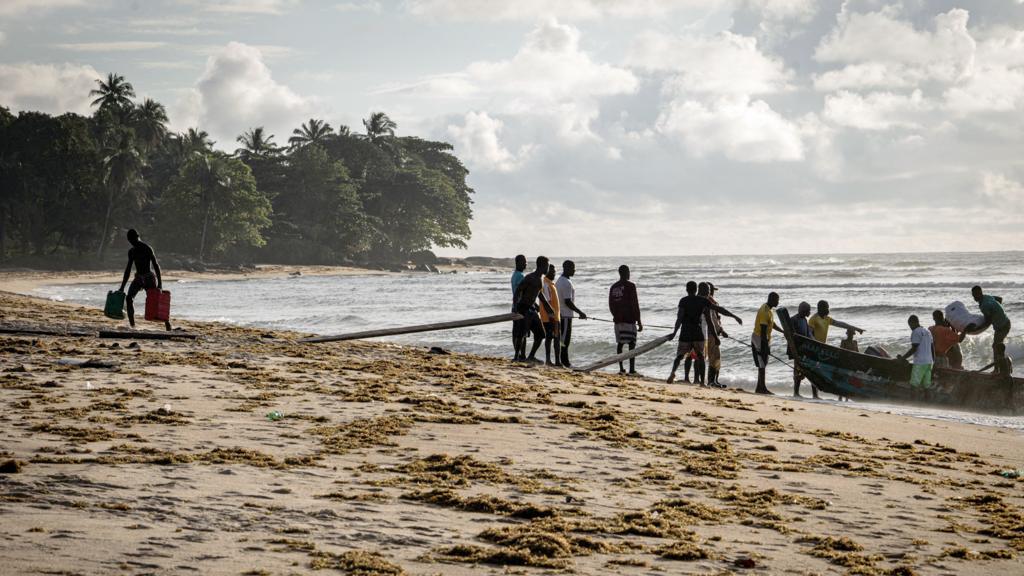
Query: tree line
{"points": [[70, 185]]}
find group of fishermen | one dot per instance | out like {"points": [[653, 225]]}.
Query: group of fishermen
{"points": [[547, 307]]}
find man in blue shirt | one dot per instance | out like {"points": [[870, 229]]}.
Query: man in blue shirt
{"points": [[518, 332]]}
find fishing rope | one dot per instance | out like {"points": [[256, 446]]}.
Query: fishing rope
{"points": [[747, 344]]}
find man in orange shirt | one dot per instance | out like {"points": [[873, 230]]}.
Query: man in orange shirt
{"points": [[550, 321], [946, 342]]}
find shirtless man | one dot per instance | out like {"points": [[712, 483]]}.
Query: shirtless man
{"points": [[692, 308], [140, 255]]}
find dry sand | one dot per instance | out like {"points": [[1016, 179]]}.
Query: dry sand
{"points": [[390, 460]]}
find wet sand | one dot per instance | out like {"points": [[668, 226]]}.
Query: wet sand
{"points": [[391, 460]]}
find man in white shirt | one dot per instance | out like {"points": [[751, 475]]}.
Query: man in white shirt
{"points": [[567, 294], [921, 350]]}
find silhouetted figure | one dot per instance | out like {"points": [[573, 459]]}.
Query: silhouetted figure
{"points": [[140, 255], [801, 327], [518, 326], [693, 308], [625, 309], [527, 294]]}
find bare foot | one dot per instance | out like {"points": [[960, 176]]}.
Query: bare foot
{"points": [[671, 378], [765, 391]]}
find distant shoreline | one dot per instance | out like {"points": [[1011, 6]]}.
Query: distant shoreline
{"points": [[27, 280]]}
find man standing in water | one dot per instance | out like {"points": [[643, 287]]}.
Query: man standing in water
{"points": [[761, 339], [692, 308], [714, 348], [527, 293], [550, 293], [801, 327], [625, 308], [567, 292], [141, 256], [821, 321], [995, 316], [518, 326], [921, 350]]}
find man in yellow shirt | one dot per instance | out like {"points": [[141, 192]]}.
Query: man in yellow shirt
{"points": [[821, 321], [760, 341]]}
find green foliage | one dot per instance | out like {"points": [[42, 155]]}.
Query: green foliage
{"points": [[213, 205], [70, 184]]}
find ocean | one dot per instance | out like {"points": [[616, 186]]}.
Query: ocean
{"points": [[876, 292]]}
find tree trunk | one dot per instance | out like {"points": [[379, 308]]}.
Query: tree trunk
{"points": [[202, 240], [106, 226]]}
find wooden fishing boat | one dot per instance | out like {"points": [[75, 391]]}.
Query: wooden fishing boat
{"points": [[873, 378]]}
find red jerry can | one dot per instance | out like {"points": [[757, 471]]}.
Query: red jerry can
{"points": [[158, 305]]}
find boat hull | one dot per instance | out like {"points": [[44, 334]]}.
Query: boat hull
{"points": [[872, 378]]}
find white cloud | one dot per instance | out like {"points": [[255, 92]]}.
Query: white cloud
{"points": [[50, 88], [865, 76], [876, 111], [236, 92], [14, 8], [550, 75], [1002, 190], [368, 6], [884, 39], [478, 141], [740, 129], [532, 10], [710, 64], [266, 7], [800, 10], [111, 46]]}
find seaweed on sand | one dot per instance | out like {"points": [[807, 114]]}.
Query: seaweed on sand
{"points": [[548, 543], [361, 433], [484, 503], [842, 552], [444, 471], [682, 550]]}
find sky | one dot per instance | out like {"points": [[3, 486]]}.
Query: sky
{"points": [[603, 127]]}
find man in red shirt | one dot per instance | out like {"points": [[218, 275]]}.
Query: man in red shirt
{"points": [[625, 309]]}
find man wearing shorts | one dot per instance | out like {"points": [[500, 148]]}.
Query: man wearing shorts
{"points": [[692, 308], [551, 321], [141, 256], [625, 308], [761, 339], [714, 351], [802, 328], [921, 350], [527, 293]]}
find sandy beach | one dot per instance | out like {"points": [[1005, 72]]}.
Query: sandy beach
{"points": [[392, 460]]}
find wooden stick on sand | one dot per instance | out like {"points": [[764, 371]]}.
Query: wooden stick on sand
{"points": [[414, 329], [626, 355]]}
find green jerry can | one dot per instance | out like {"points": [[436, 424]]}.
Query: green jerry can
{"points": [[115, 305]]}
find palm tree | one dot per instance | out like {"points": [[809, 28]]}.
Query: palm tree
{"points": [[122, 166], [379, 124], [196, 140], [313, 132], [150, 123], [114, 94], [211, 182], [344, 130], [256, 144]]}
